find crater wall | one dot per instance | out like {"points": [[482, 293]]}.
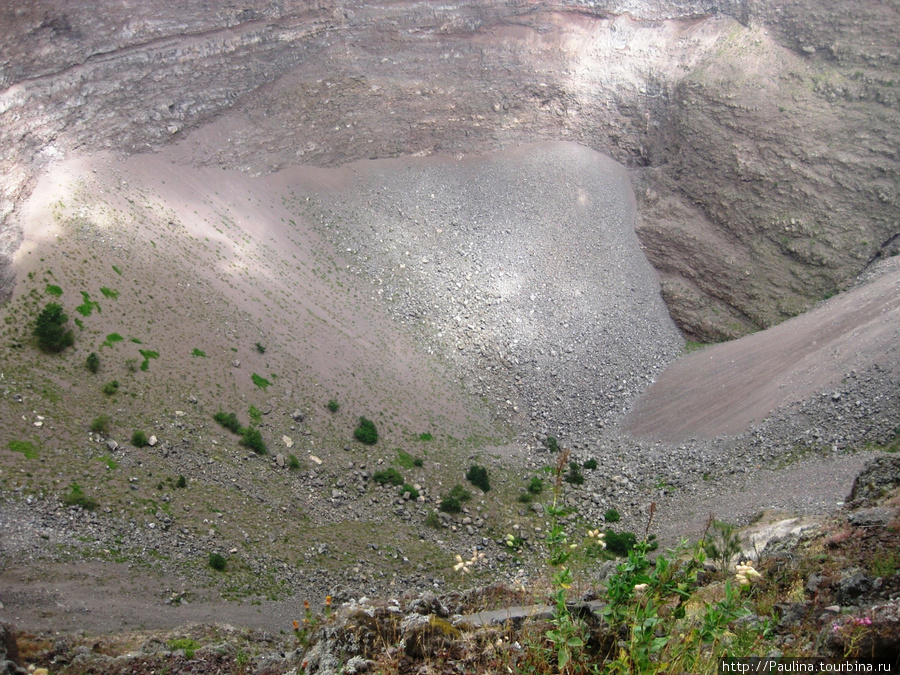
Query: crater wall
{"points": [[761, 136]]}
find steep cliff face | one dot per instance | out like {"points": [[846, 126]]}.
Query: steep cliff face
{"points": [[762, 136]]}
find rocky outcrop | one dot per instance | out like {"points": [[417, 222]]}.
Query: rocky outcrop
{"points": [[762, 188]]}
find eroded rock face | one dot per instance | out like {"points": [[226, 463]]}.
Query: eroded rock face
{"points": [[762, 137]]}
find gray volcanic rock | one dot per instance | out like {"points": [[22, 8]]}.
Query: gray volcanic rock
{"points": [[523, 268]]}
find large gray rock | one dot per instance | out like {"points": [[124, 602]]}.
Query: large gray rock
{"points": [[880, 476]]}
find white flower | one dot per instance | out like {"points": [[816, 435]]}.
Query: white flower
{"points": [[745, 573], [640, 588]]}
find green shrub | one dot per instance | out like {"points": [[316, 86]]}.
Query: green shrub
{"points": [[433, 520], [525, 497], [93, 362], [109, 293], [260, 348], [552, 444], [406, 487], [619, 543], [139, 439], [591, 464], [229, 421], [574, 475], [52, 289], [366, 432], [418, 462], [450, 505], [181, 482], [50, 329], [198, 352], [217, 562], [460, 493], [147, 354], [111, 388], [333, 405], [293, 462], [252, 438], [390, 475], [426, 437], [536, 485], [478, 476], [100, 424], [76, 497], [722, 543], [611, 516]]}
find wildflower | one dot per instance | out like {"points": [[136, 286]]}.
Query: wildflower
{"points": [[512, 541], [306, 604], [640, 588], [328, 601], [573, 546], [465, 566], [296, 625], [596, 537], [745, 573]]}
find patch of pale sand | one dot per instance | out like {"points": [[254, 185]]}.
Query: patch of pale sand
{"points": [[722, 389], [217, 260]]}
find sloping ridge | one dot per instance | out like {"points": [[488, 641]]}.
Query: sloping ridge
{"points": [[721, 390]]}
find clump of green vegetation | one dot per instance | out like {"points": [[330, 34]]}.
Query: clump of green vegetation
{"points": [[333, 405], [611, 516], [50, 329], [147, 354], [87, 307], [293, 463], [112, 339], [574, 475], [433, 519], [92, 363], [260, 381], [116, 270], [255, 414], [407, 461], [76, 497], [388, 476], [260, 348], [27, 448], [198, 352], [552, 444], [478, 476], [460, 493], [217, 562], [131, 365], [139, 439], [111, 388], [229, 421], [252, 438], [366, 432], [450, 505], [53, 290], [525, 497], [109, 293], [188, 645], [426, 437], [100, 424], [181, 482], [406, 487], [535, 485], [591, 464]]}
